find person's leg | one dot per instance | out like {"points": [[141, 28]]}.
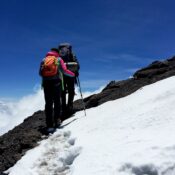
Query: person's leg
{"points": [[57, 104], [71, 93], [48, 104], [63, 98]]}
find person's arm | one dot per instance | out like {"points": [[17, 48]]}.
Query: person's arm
{"points": [[64, 69]]}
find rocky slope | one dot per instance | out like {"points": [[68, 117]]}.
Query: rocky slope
{"points": [[156, 71], [25, 136]]}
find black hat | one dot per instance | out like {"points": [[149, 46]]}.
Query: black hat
{"points": [[55, 50], [68, 45]]}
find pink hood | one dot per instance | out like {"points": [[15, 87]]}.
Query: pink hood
{"points": [[52, 53]]}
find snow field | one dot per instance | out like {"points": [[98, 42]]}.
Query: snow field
{"points": [[133, 135]]}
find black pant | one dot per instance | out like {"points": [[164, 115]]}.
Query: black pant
{"points": [[52, 94], [69, 86]]}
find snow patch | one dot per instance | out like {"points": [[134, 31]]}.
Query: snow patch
{"points": [[59, 154], [128, 168], [55, 156]]}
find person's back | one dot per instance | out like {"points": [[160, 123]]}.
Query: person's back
{"points": [[65, 52]]}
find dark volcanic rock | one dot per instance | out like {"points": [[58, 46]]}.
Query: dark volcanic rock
{"points": [[16, 142]]}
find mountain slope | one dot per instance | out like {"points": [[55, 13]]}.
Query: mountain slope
{"points": [[132, 135], [16, 142], [156, 71]]}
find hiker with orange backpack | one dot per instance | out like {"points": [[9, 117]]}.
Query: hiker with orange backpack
{"points": [[51, 69]]}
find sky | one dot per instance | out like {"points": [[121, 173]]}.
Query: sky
{"points": [[134, 137], [111, 39]]}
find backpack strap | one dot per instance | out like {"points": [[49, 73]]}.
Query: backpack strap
{"points": [[61, 75], [62, 80]]}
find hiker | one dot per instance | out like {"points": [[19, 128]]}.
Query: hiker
{"points": [[65, 52], [51, 70]]}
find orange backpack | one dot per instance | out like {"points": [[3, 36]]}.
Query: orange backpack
{"points": [[50, 66]]}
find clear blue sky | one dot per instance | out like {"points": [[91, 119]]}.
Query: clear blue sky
{"points": [[111, 38]]}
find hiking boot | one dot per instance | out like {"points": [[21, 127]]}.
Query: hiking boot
{"points": [[50, 130], [58, 124]]}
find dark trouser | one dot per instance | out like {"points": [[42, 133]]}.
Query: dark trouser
{"points": [[70, 88], [52, 94]]}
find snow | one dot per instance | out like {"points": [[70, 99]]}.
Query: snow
{"points": [[133, 135]]}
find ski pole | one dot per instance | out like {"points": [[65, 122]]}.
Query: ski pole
{"points": [[78, 81]]}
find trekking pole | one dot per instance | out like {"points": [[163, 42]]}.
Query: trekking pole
{"points": [[78, 81]]}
